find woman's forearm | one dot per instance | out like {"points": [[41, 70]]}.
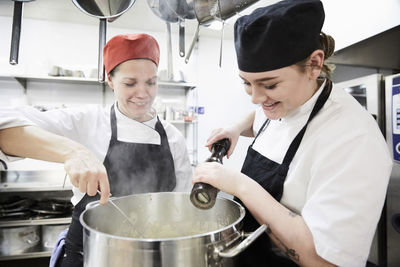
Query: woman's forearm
{"points": [[33, 142], [286, 229], [246, 125], [83, 168]]}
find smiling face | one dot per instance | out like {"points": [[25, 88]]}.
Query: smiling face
{"points": [[282, 91], [135, 86]]}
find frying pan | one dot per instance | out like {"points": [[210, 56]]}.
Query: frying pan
{"points": [[16, 30], [208, 11], [184, 10], [163, 10], [174, 11], [103, 10]]}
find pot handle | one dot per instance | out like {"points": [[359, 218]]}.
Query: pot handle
{"points": [[232, 252]]}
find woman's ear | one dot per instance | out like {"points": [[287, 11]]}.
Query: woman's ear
{"points": [[316, 61], [110, 82]]}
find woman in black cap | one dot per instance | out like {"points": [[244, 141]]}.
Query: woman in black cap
{"points": [[317, 154]]}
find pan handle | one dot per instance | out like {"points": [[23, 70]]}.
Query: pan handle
{"points": [[181, 37], [232, 252], [102, 43], [170, 70], [220, 47], [16, 32], [196, 35]]}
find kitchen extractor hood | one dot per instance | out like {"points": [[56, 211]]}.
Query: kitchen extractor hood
{"points": [[379, 51]]}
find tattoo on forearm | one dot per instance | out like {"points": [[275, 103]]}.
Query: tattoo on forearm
{"points": [[291, 253]]}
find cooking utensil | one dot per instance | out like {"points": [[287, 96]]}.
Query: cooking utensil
{"points": [[16, 30], [174, 11], [119, 210], [208, 11], [170, 69], [16, 203], [103, 10], [203, 195], [162, 10], [168, 231], [184, 11], [16, 240], [50, 234], [52, 207]]}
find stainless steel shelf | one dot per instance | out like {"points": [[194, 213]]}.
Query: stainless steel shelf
{"points": [[35, 252], [38, 251], [182, 122], [31, 181], [10, 223], [31, 187], [78, 80]]}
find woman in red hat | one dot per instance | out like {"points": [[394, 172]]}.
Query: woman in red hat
{"points": [[123, 150], [317, 171]]}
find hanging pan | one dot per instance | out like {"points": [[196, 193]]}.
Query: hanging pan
{"points": [[184, 10], [16, 30], [103, 10], [162, 9], [208, 11], [173, 11]]}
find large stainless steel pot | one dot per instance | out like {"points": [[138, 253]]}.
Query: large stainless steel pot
{"points": [[169, 231]]}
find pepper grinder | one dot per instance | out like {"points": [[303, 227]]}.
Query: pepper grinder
{"points": [[203, 196]]}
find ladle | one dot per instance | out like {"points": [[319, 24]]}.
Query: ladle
{"points": [[118, 209]]}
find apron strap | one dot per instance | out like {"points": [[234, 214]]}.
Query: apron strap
{"points": [[263, 127], [323, 97], [113, 122]]}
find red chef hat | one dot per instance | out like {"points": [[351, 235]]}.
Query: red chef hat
{"points": [[125, 47]]}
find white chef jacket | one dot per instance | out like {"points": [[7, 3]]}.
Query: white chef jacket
{"points": [[338, 178], [90, 126]]}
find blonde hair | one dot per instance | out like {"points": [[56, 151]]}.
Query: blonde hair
{"points": [[327, 45]]}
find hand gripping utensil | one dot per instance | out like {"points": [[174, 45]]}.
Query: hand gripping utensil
{"points": [[119, 210], [203, 196]]}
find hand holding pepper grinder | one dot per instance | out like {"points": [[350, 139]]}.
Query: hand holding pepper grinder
{"points": [[203, 196]]}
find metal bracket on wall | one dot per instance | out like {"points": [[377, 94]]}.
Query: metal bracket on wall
{"points": [[104, 86], [22, 82]]}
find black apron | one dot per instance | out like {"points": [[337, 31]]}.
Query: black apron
{"points": [[271, 176], [131, 168]]}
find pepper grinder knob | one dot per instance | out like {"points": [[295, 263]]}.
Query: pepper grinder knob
{"points": [[203, 195]]}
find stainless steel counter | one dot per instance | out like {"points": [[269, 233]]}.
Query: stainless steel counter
{"points": [[22, 181]]}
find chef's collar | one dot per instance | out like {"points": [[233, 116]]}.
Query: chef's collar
{"points": [[120, 116], [306, 107]]}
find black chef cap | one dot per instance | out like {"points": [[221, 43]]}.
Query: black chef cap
{"points": [[278, 35]]}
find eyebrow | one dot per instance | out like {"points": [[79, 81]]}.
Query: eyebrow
{"points": [[134, 79], [261, 79]]}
